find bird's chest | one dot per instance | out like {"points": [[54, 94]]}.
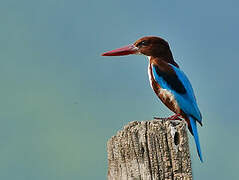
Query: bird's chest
{"points": [[165, 95]]}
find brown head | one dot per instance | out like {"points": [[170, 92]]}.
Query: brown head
{"points": [[155, 47]]}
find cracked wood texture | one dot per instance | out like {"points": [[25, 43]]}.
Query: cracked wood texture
{"points": [[150, 150]]}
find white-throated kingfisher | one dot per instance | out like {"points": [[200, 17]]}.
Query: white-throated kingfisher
{"points": [[167, 80]]}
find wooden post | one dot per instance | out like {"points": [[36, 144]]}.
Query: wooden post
{"points": [[150, 150]]}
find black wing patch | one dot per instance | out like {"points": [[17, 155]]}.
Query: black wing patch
{"points": [[172, 80]]}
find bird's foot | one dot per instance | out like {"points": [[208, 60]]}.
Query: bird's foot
{"points": [[175, 117], [159, 118]]}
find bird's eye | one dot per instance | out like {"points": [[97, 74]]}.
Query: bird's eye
{"points": [[143, 43]]}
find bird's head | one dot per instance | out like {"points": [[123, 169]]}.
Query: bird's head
{"points": [[149, 46]]}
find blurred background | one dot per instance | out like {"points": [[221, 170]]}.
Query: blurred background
{"points": [[60, 101]]}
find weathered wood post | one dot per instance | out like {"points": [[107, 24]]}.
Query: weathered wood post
{"points": [[150, 150]]}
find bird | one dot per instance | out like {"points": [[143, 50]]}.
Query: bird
{"points": [[167, 80]]}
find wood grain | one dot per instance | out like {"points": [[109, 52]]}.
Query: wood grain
{"points": [[150, 150]]}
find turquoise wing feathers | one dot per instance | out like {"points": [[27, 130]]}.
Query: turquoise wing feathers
{"points": [[179, 85]]}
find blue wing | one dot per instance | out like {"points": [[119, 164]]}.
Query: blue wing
{"points": [[178, 84]]}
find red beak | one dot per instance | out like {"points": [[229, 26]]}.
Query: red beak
{"points": [[126, 50]]}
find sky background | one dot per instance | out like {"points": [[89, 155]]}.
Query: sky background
{"points": [[61, 101]]}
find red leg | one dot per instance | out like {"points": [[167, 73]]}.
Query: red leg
{"points": [[158, 118], [175, 117]]}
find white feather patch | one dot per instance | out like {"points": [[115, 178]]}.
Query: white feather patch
{"points": [[149, 73]]}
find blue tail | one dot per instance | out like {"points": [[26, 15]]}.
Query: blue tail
{"points": [[195, 135]]}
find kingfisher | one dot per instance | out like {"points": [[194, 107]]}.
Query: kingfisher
{"points": [[167, 80]]}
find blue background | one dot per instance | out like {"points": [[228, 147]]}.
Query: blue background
{"points": [[61, 101]]}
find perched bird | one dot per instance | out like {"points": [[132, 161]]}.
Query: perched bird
{"points": [[167, 80]]}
